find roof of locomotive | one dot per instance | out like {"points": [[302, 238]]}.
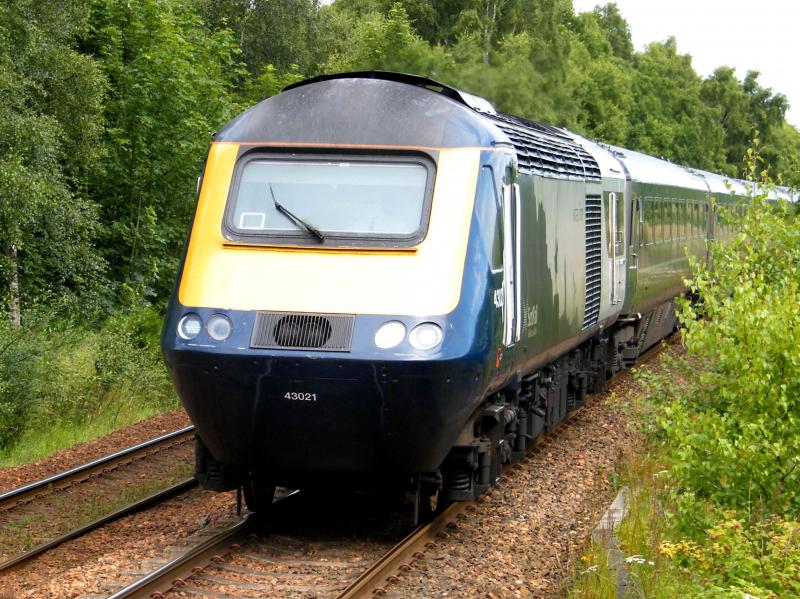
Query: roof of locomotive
{"points": [[365, 109], [376, 108], [403, 111]]}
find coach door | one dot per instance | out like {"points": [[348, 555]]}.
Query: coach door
{"points": [[512, 284], [616, 205]]}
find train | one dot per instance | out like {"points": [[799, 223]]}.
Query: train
{"points": [[389, 282]]}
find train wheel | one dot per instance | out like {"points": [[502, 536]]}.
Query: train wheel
{"points": [[258, 495]]}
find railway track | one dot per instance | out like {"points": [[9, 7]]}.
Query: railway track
{"points": [[41, 515], [105, 465], [252, 557]]}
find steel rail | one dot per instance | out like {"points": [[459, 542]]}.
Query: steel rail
{"points": [[402, 556], [84, 471], [173, 572], [22, 559], [186, 565]]}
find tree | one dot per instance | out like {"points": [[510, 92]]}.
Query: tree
{"points": [[169, 89], [615, 29], [377, 41], [282, 33], [600, 82], [743, 109], [782, 155], [668, 117], [50, 103]]}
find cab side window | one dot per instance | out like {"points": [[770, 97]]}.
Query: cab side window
{"points": [[489, 217]]}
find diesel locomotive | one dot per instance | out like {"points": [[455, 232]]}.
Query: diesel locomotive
{"points": [[386, 279]]}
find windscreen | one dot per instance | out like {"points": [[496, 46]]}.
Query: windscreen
{"points": [[338, 198]]}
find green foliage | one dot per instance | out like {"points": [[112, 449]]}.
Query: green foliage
{"points": [[56, 374], [600, 82], [269, 82], [737, 557], [736, 431], [668, 117], [782, 155], [615, 29], [282, 33], [727, 413], [742, 109], [378, 41], [169, 82], [50, 119]]}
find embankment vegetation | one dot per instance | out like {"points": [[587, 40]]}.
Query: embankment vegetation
{"points": [[106, 109], [716, 508]]}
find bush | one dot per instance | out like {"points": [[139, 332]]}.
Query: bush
{"points": [[761, 559], [17, 358], [60, 374], [728, 412], [733, 427]]}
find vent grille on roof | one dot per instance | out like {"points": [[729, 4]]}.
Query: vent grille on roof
{"points": [[286, 330], [545, 150], [593, 225]]}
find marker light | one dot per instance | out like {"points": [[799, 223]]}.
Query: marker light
{"points": [[390, 334], [425, 336], [219, 327], [190, 326]]}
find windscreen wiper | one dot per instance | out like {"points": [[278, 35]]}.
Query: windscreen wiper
{"points": [[296, 219]]}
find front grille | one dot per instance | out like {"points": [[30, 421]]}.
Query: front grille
{"points": [[594, 223], [288, 330]]}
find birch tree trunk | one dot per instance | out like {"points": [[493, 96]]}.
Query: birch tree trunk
{"points": [[13, 304]]}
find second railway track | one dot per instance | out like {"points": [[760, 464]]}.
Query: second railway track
{"points": [[41, 515]]}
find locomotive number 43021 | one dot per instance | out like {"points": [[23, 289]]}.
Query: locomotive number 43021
{"points": [[300, 396]]}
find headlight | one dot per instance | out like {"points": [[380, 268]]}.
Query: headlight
{"points": [[426, 335], [190, 326], [390, 334], [219, 327]]}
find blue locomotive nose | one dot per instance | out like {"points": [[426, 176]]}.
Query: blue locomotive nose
{"points": [[292, 414]]}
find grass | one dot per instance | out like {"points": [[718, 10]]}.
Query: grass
{"points": [[68, 384], [640, 536], [41, 442]]}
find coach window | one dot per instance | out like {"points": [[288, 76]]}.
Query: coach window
{"points": [[698, 226], [687, 221], [490, 218]]}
